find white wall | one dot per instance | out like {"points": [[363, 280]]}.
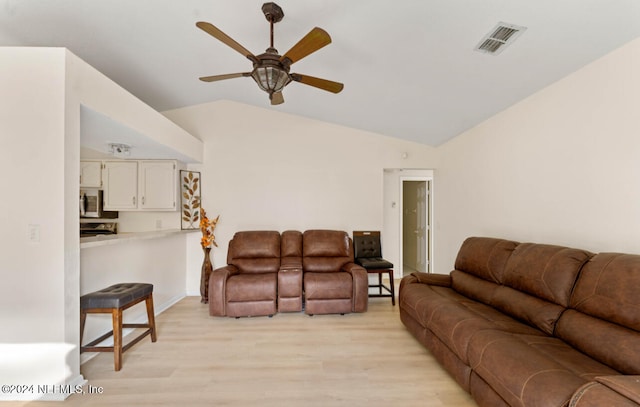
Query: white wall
{"points": [[561, 167], [32, 293], [263, 169]]}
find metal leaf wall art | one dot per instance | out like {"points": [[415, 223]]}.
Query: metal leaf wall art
{"points": [[191, 193]]}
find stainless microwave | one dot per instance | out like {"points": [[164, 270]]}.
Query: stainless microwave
{"points": [[91, 202]]}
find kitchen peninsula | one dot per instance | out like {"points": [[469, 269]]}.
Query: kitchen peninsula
{"points": [[108, 240]]}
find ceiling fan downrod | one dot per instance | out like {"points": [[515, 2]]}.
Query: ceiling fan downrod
{"points": [[273, 13]]}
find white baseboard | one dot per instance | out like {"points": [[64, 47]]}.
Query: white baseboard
{"points": [[166, 305], [193, 293]]}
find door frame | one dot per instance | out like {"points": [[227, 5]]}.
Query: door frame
{"points": [[428, 217]]}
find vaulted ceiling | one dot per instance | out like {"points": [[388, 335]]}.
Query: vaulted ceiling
{"points": [[409, 66]]}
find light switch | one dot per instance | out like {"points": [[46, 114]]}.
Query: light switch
{"points": [[33, 233]]}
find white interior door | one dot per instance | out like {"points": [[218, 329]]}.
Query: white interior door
{"points": [[416, 231], [421, 226]]}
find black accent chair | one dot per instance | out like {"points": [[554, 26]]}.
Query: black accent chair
{"points": [[368, 254]]}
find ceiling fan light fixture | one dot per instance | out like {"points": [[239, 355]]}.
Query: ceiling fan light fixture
{"points": [[270, 78]]}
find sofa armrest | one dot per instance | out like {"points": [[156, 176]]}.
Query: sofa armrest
{"points": [[360, 286], [442, 280], [622, 391], [218, 288]]}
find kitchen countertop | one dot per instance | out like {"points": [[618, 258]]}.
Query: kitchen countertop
{"points": [[105, 240]]}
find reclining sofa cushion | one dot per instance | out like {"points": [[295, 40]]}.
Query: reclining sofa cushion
{"points": [[456, 323], [328, 286], [255, 251], [485, 257], [251, 294], [479, 267], [537, 283], [325, 251], [606, 310], [545, 271], [530, 370], [608, 289]]}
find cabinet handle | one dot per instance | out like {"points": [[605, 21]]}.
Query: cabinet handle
{"points": [[143, 200], [134, 200]]}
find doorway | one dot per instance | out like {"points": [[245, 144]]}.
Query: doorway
{"points": [[416, 224]]}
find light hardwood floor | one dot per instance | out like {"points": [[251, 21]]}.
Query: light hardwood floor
{"points": [[291, 359]]}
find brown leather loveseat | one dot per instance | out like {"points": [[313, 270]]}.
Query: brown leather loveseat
{"points": [[524, 324], [269, 272]]}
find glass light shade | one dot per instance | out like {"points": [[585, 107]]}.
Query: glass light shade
{"points": [[270, 78]]}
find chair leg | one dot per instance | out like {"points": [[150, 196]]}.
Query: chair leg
{"points": [[380, 283], [151, 317], [393, 292], [116, 314], [83, 319]]}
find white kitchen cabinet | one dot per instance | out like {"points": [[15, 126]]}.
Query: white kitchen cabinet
{"points": [[157, 185], [148, 185], [120, 185], [90, 174]]}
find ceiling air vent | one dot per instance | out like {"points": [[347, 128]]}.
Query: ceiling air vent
{"points": [[499, 38]]}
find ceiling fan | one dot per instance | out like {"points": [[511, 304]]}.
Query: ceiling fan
{"points": [[271, 70]]}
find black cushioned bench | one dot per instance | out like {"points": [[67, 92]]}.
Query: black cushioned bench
{"points": [[114, 300]]}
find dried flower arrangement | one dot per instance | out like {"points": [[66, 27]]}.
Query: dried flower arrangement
{"points": [[207, 227]]}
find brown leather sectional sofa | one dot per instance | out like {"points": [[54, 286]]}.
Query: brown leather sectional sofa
{"points": [[269, 272], [524, 324]]}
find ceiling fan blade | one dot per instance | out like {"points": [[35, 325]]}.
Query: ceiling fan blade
{"points": [[215, 32], [310, 43], [223, 77], [329, 86], [277, 98]]}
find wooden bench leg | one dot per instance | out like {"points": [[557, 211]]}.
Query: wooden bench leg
{"points": [[117, 338], [150, 316]]}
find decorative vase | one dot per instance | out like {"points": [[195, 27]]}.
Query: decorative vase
{"points": [[207, 268]]}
